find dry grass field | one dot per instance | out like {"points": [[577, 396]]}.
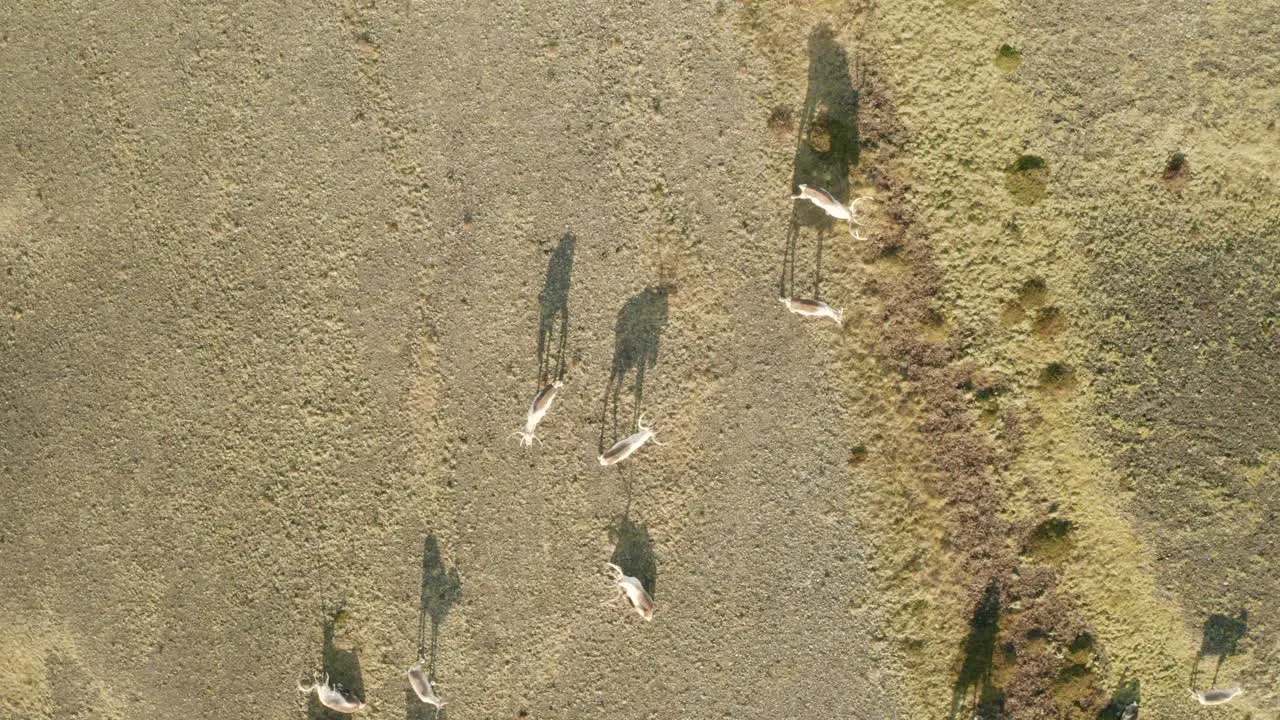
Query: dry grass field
{"points": [[280, 280]]}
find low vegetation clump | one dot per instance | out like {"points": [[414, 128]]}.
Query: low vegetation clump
{"points": [[1027, 179], [1008, 58], [1176, 172]]}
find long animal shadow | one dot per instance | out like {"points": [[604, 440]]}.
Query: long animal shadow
{"points": [[342, 666], [1130, 691], [441, 590], [553, 319], [979, 655], [633, 552], [1222, 636], [826, 146], [635, 348]]}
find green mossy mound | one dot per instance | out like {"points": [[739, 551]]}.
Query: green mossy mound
{"points": [[1027, 179], [1008, 58]]}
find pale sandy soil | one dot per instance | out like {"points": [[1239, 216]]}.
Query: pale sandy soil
{"points": [[280, 282]]}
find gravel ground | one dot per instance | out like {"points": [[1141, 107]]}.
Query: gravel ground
{"points": [[282, 281]]}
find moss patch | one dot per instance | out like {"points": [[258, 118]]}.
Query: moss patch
{"points": [[1027, 179], [1008, 58], [1076, 691], [820, 134], [857, 455], [782, 121], [1081, 649], [1012, 314], [1057, 377], [1050, 541], [1049, 322], [1176, 172], [1033, 293]]}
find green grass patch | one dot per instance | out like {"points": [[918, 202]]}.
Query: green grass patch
{"points": [[1008, 58]]}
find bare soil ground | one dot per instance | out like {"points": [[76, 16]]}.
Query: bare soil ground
{"points": [[281, 281]]}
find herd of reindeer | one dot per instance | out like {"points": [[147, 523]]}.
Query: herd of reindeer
{"points": [[339, 698]]}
